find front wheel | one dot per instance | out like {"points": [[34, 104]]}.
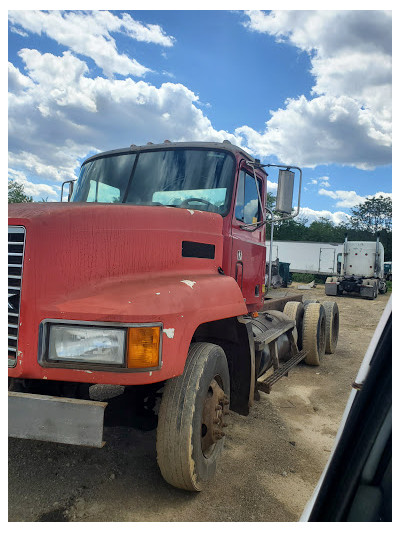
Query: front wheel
{"points": [[190, 434]]}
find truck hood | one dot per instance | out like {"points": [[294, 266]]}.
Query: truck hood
{"points": [[74, 248]]}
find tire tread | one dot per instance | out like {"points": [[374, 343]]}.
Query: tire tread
{"points": [[311, 324], [174, 431]]}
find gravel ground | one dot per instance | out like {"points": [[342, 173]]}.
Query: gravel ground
{"points": [[272, 461]]}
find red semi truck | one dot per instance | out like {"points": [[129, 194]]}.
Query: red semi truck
{"points": [[152, 278]]}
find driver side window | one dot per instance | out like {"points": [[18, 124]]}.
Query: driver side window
{"points": [[247, 207]]}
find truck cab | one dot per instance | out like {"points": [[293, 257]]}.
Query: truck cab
{"points": [[151, 277], [146, 229]]}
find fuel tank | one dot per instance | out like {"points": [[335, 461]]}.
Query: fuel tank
{"points": [[265, 322]]}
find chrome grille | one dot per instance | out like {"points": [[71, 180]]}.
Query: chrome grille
{"points": [[16, 246]]}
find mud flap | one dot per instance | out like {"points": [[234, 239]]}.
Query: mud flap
{"points": [[53, 419], [367, 291], [331, 289]]}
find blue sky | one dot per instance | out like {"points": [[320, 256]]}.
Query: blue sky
{"points": [[308, 88]]}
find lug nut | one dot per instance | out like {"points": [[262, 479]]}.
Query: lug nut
{"points": [[219, 434]]}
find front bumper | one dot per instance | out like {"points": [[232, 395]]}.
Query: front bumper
{"points": [[54, 419]]}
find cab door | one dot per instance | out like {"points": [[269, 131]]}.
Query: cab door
{"points": [[248, 247]]}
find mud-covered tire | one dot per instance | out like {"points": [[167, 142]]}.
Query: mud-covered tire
{"points": [[295, 311], [181, 431], [384, 290], [314, 333], [332, 326]]}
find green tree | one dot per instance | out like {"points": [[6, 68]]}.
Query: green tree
{"points": [[324, 230], [271, 199], [374, 214], [291, 230], [16, 193]]}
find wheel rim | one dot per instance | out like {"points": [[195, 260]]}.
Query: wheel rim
{"points": [[215, 408]]}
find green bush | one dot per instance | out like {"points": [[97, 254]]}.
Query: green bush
{"points": [[308, 278]]}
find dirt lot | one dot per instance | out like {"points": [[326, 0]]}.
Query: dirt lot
{"points": [[272, 461]]}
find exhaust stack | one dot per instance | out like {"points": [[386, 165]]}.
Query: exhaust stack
{"points": [[377, 255]]}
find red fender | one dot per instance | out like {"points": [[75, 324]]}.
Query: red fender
{"points": [[181, 303]]}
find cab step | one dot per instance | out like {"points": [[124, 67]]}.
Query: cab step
{"points": [[266, 384], [266, 337]]}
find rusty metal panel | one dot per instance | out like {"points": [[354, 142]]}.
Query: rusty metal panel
{"points": [[53, 419]]}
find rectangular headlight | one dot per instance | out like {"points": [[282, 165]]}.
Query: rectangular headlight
{"points": [[86, 345]]}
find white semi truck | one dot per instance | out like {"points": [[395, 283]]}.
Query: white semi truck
{"points": [[361, 270]]}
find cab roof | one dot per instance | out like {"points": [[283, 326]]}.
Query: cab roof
{"points": [[167, 145]]}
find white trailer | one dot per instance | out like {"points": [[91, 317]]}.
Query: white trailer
{"points": [[308, 257]]}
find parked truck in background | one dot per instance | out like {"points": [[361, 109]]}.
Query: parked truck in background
{"points": [[307, 257], [361, 272], [387, 267], [151, 280]]}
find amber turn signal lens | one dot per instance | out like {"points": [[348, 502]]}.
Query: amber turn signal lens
{"points": [[143, 347]]}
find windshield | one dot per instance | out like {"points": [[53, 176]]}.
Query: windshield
{"points": [[187, 178]]}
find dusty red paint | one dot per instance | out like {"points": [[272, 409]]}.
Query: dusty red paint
{"points": [[123, 263], [107, 263]]}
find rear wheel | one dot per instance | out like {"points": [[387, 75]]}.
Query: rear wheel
{"points": [[332, 325], [190, 433], [295, 311], [383, 288], [314, 333]]}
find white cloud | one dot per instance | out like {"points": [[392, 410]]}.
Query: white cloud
{"points": [[349, 198], [57, 115], [89, 34], [149, 33], [323, 181], [168, 74], [311, 215], [18, 31], [17, 82], [36, 190], [348, 120]]}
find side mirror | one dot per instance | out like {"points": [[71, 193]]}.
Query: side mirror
{"points": [[70, 189], [284, 196]]}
